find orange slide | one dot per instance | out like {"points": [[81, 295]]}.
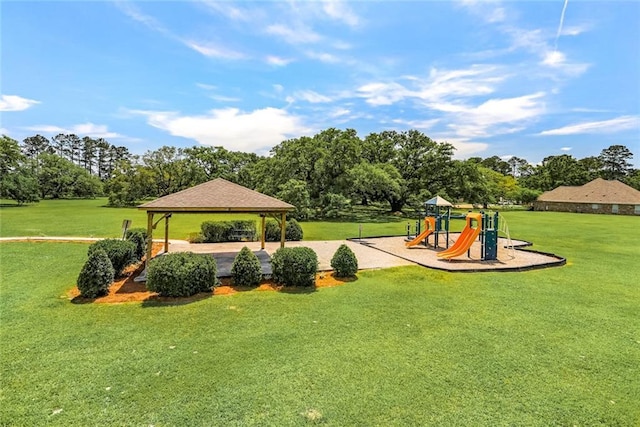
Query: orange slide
{"points": [[429, 227], [466, 239]]}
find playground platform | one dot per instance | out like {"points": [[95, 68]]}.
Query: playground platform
{"points": [[511, 256]]}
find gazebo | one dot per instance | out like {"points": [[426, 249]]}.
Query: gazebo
{"points": [[216, 196]]}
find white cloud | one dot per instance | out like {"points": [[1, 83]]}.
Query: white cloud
{"points": [[254, 131], [418, 124], [566, 148], [82, 129], [453, 94], [323, 57], [277, 61], [231, 11], [464, 147], [294, 35], [383, 93], [205, 86], [557, 60], [211, 50], [496, 15], [554, 58], [605, 126], [16, 103], [222, 98], [4, 131], [134, 13], [589, 110], [312, 97], [339, 112], [208, 49], [575, 30], [339, 11]]}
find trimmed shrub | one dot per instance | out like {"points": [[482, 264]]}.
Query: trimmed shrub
{"points": [[195, 237], [139, 238], [272, 231], [121, 253], [292, 231], [215, 231], [246, 268], [96, 275], [228, 231], [344, 262], [295, 266], [181, 274]]}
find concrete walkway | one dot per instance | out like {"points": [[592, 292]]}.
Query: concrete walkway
{"points": [[368, 258]]}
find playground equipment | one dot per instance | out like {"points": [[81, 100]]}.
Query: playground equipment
{"points": [[438, 213], [481, 225], [429, 227], [468, 235]]}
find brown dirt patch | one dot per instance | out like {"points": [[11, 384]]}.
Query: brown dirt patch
{"points": [[126, 290]]}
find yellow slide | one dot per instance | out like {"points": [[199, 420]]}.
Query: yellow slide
{"points": [[429, 227], [466, 239]]}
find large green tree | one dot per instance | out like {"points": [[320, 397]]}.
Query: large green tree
{"points": [[615, 162], [17, 181], [60, 178]]}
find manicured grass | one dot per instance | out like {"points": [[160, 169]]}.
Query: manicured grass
{"points": [[405, 346], [91, 218]]}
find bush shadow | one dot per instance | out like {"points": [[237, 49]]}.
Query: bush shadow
{"points": [[159, 301]]}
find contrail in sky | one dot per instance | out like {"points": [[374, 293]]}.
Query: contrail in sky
{"points": [[564, 9]]}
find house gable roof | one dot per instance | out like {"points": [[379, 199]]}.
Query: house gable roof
{"points": [[596, 191], [218, 195]]}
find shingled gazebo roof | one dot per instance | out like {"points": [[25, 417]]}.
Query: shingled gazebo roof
{"points": [[596, 191], [218, 195], [438, 201]]}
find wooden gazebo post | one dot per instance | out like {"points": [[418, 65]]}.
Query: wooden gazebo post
{"points": [[263, 230], [283, 229], [149, 238]]}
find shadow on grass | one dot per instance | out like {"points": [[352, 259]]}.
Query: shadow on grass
{"points": [[158, 301]]}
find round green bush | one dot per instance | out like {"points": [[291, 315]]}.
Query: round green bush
{"points": [[215, 231], [246, 269], [181, 274], [139, 238], [96, 275], [292, 232], [121, 253], [344, 262], [295, 266]]}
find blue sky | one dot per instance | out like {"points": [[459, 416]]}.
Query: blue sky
{"points": [[529, 79]]}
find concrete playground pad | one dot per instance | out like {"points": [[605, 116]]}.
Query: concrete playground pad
{"points": [[368, 258], [510, 256]]}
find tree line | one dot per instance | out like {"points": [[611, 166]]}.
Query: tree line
{"points": [[322, 175]]}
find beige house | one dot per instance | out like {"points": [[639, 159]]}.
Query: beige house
{"points": [[598, 196]]}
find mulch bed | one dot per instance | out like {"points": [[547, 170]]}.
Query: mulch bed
{"points": [[124, 289]]}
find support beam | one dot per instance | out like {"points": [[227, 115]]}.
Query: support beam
{"points": [[283, 229], [166, 233], [263, 230], [149, 238]]}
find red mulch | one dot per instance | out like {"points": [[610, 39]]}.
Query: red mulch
{"points": [[124, 289]]}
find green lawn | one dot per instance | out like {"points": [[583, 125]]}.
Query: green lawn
{"points": [[405, 346], [90, 218]]}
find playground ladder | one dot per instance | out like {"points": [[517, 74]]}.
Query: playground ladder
{"points": [[504, 229]]}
